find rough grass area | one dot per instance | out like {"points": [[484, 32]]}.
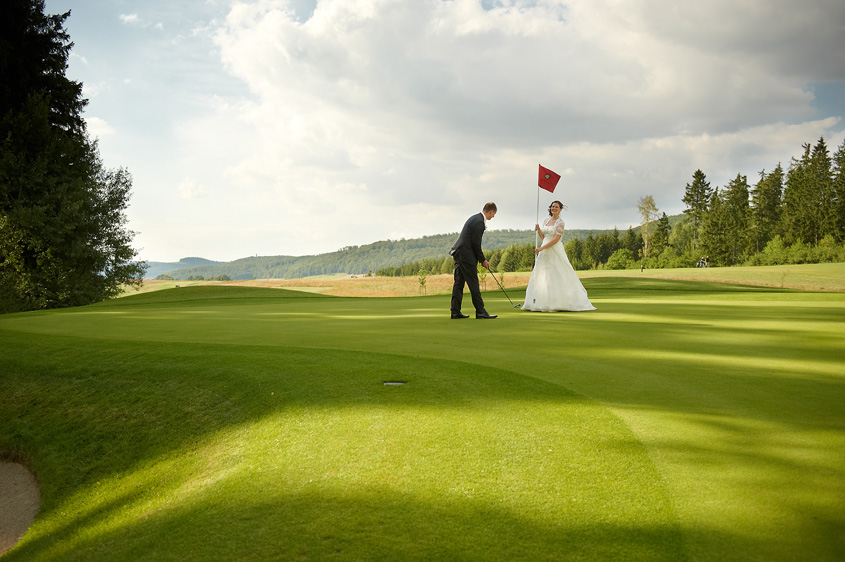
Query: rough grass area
{"points": [[811, 277], [679, 421]]}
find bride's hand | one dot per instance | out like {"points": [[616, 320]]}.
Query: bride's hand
{"points": [[536, 251], [537, 227]]}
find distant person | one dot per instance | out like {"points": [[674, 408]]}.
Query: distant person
{"points": [[467, 255], [554, 286]]}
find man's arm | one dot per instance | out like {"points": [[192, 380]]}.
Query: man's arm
{"points": [[477, 234]]}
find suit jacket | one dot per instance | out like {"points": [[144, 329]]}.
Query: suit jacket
{"points": [[468, 247]]}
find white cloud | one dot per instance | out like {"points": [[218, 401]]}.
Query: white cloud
{"points": [[80, 58], [190, 189], [130, 18], [98, 127]]}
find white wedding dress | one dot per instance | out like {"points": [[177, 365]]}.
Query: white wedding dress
{"points": [[554, 285]]}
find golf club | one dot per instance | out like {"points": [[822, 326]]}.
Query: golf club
{"points": [[503, 290]]}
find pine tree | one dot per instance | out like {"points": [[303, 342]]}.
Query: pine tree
{"points": [[697, 197], [796, 216], [714, 241], [821, 180], [809, 211], [737, 214], [63, 240], [838, 193], [632, 242], [766, 202], [660, 239]]}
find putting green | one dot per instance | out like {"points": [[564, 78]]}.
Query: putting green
{"points": [[678, 421]]}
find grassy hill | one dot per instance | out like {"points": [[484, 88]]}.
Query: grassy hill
{"points": [[156, 268]]}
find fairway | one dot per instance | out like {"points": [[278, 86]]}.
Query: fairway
{"points": [[681, 420]]}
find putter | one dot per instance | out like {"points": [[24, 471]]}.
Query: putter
{"points": [[503, 290]]}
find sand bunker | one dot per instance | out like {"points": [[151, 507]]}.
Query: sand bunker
{"points": [[19, 500]]}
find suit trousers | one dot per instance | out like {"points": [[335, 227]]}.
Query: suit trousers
{"points": [[466, 274]]}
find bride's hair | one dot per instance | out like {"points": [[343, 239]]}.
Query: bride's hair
{"points": [[562, 206]]}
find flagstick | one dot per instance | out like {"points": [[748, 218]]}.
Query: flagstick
{"points": [[537, 234]]}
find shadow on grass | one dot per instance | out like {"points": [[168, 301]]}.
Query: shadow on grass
{"points": [[357, 525]]}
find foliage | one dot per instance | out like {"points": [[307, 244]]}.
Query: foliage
{"points": [[766, 203], [777, 252], [660, 239], [697, 198], [648, 212], [622, 258], [736, 218], [63, 236]]}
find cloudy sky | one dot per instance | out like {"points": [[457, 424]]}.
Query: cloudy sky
{"points": [[295, 127]]}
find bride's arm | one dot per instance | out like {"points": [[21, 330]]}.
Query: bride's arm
{"points": [[554, 240]]}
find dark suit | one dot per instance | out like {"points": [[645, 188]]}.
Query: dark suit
{"points": [[467, 254]]}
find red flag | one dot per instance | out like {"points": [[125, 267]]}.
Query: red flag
{"points": [[548, 179]]}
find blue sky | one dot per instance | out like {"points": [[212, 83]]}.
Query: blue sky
{"points": [[277, 127]]}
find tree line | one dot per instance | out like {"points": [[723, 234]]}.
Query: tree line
{"points": [[591, 251], [796, 216]]}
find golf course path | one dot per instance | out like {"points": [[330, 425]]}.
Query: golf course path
{"points": [[19, 499]]}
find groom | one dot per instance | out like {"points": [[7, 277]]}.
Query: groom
{"points": [[467, 254]]}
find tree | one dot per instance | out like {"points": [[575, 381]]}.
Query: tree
{"points": [[736, 216], [680, 239], [713, 228], [574, 249], [821, 180], [622, 258], [809, 198], [63, 236], [697, 197], [766, 200], [632, 241], [648, 212], [660, 238], [795, 218], [838, 193]]}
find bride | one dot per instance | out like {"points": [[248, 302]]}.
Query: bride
{"points": [[554, 285]]}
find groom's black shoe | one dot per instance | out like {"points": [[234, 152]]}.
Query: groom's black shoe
{"points": [[458, 315], [484, 315]]}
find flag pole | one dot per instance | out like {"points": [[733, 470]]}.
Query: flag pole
{"points": [[537, 234]]}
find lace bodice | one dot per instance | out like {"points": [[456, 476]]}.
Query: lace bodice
{"points": [[552, 229]]}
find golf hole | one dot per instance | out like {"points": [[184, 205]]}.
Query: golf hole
{"points": [[394, 383]]}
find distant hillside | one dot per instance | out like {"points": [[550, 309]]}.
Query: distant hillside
{"points": [[355, 260], [156, 268]]}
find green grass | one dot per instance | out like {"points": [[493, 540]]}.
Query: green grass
{"points": [[679, 421]]}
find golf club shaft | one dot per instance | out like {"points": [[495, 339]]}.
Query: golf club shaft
{"points": [[502, 288]]}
